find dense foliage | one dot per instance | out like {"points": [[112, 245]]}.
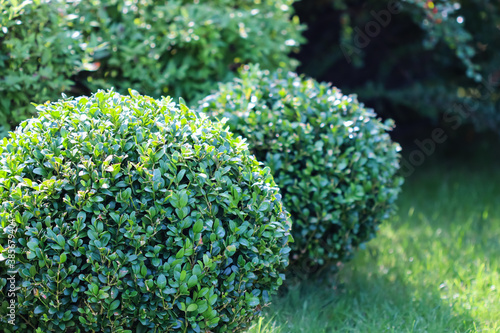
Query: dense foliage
{"points": [[128, 214], [331, 157], [176, 48], [39, 52], [409, 58], [182, 47]]}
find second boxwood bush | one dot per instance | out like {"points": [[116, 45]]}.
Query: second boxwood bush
{"points": [[332, 158]]}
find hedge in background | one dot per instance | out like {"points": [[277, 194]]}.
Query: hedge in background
{"points": [[182, 47], [39, 52], [129, 214], [179, 48], [331, 157]]}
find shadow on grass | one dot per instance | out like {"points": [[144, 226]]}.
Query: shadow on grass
{"points": [[363, 301]]}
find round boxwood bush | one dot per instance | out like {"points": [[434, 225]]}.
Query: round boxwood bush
{"points": [[128, 214], [332, 158]]}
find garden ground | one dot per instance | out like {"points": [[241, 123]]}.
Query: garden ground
{"points": [[434, 268]]}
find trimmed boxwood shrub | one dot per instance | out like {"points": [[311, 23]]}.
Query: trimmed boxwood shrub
{"points": [[128, 214], [331, 157]]}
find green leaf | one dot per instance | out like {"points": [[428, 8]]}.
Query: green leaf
{"points": [[60, 240], [63, 258], [32, 245], [192, 281], [39, 309], [180, 254], [159, 154], [192, 307], [342, 165], [253, 301], [198, 226], [183, 199], [180, 175], [125, 195], [161, 282], [114, 305], [264, 206], [39, 171], [212, 299], [182, 104], [94, 288]]}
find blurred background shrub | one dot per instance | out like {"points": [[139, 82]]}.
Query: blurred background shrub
{"points": [[181, 48], [39, 53], [177, 48], [419, 62], [414, 64]]}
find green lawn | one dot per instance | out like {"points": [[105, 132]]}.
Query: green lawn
{"points": [[434, 268]]}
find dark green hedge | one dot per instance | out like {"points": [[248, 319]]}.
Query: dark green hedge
{"points": [[430, 60]]}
